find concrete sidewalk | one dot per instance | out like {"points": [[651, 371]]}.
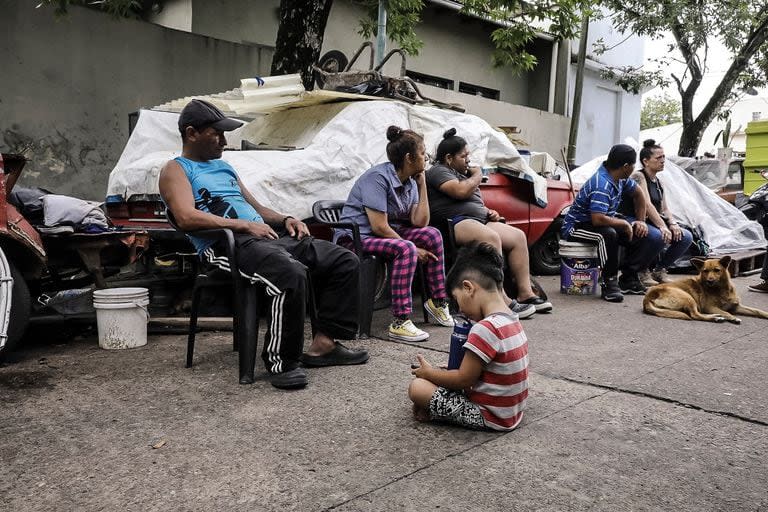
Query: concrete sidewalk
{"points": [[626, 412]]}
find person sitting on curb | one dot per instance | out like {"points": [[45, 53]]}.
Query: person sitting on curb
{"points": [[454, 193], [592, 218], [490, 388], [677, 239], [389, 203], [204, 192]]}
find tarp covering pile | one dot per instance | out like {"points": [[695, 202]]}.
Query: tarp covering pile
{"points": [[336, 143], [723, 226]]}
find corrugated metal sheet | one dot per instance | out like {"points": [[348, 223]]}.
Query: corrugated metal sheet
{"points": [[276, 93]]}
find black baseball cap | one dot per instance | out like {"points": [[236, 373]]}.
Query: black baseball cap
{"points": [[200, 114]]}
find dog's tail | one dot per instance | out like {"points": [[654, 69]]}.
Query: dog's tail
{"points": [[650, 308]]}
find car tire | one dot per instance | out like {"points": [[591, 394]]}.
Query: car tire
{"points": [[545, 254], [21, 308]]}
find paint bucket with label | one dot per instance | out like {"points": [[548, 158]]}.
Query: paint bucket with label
{"points": [[579, 268]]}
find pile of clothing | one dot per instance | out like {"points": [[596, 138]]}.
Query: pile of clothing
{"points": [[52, 213]]}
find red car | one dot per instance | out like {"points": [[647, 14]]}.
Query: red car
{"points": [[514, 200]]}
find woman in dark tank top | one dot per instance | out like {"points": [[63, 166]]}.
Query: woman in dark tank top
{"points": [[659, 218]]}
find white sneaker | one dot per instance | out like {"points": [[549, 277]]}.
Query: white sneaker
{"points": [[404, 330], [439, 314], [647, 279], [661, 276]]}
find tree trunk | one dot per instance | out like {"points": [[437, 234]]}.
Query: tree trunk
{"points": [[693, 129], [300, 37], [690, 138]]}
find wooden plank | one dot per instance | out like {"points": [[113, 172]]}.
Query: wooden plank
{"points": [[744, 261]]}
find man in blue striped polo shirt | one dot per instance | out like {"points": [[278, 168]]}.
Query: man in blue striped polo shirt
{"points": [[592, 218]]}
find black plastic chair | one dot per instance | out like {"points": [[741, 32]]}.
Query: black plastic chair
{"points": [[245, 318], [328, 212]]}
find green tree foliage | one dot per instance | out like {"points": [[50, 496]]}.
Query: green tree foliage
{"points": [[741, 26], [659, 111], [519, 22]]}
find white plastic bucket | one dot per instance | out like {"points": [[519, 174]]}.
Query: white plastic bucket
{"points": [[121, 317], [579, 268]]}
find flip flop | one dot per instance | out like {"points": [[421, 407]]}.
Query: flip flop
{"points": [[339, 356]]}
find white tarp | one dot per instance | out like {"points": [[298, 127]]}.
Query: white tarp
{"points": [[337, 141], [723, 226]]}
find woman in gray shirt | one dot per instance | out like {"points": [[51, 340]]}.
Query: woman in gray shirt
{"points": [[454, 193]]}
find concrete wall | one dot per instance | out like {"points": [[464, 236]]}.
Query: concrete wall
{"points": [[239, 21], [541, 130], [176, 14], [68, 86]]}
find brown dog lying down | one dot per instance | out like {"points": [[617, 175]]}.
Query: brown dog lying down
{"points": [[710, 296]]}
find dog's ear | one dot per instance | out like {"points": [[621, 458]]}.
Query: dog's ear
{"points": [[725, 261], [697, 262]]}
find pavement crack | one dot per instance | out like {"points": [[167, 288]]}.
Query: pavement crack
{"points": [[665, 399], [418, 470]]}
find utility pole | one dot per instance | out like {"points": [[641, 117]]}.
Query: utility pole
{"points": [[576, 111], [381, 32]]}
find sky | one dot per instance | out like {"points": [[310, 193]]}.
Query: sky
{"points": [[718, 62], [742, 110]]}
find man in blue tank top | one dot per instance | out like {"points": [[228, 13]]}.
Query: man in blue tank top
{"points": [[204, 192]]}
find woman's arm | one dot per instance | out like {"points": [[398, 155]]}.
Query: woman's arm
{"points": [[650, 210], [420, 212], [463, 189], [380, 224], [676, 232]]}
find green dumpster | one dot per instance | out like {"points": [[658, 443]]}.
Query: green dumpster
{"points": [[757, 155]]}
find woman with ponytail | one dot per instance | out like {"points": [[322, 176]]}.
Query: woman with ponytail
{"points": [[389, 203], [454, 193], [661, 225]]}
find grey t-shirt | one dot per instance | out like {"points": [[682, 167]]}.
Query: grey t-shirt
{"points": [[442, 206]]}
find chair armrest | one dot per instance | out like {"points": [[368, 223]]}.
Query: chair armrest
{"points": [[356, 238], [227, 237]]}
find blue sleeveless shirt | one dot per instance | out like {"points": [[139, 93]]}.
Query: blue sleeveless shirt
{"points": [[216, 190]]}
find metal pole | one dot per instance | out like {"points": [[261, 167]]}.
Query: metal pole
{"points": [[576, 112], [381, 32]]}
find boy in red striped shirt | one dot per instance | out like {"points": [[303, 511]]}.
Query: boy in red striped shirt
{"points": [[490, 388]]}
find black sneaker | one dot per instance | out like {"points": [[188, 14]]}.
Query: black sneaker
{"points": [[611, 291], [632, 286], [541, 305], [292, 379]]}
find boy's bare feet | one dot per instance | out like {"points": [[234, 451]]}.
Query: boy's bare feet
{"points": [[420, 414]]}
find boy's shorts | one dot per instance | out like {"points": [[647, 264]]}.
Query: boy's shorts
{"points": [[454, 407]]}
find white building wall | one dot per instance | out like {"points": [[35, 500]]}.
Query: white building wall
{"points": [[608, 114], [176, 14]]}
